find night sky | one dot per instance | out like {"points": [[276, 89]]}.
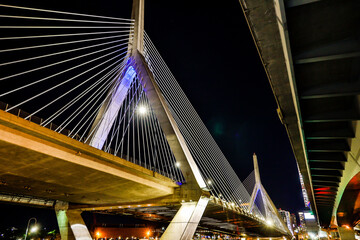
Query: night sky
{"points": [[209, 48]]}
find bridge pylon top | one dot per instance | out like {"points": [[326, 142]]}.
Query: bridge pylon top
{"points": [[137, 14], [256, 170]]}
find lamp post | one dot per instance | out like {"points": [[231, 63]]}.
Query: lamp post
{"points": [[27, 228]]}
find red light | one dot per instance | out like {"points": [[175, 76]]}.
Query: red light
{"points": [[324, 192]]}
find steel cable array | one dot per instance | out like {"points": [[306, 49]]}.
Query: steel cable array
{"points": [[215, 169], [62, 68]]}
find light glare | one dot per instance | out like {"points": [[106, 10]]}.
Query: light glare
{"points": [[142, 110], [33, 229]]}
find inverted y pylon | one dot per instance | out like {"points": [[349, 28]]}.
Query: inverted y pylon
{"points": [[191, 213], [271, 213]]}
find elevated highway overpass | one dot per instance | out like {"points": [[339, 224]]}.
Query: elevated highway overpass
{"points": [[311, 54]]}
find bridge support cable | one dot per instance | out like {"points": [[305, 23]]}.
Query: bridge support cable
{"points": [[106, 81], [135, 135], [220, 177], [65, 50], [73, 69]]}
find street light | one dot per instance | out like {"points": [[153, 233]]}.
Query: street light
{"points": [[33, 229]]}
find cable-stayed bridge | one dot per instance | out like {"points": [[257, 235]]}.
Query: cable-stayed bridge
{"points": [[93, 119]]}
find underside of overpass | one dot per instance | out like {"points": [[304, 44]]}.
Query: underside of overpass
{"points": [[311, 53], [37, 161]]}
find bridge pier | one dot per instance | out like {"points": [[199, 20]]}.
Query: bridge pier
{"points": [[186, 220], [71, 219], [346, 234]]}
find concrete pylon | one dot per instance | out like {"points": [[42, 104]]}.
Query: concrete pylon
{"points": [[71, 224], [186, 220], [268, 203], [106, 116], [346, 234], [189, 215], [257, 183]]}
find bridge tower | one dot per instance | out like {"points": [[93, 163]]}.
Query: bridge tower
{"points": [[271, 211], [194, 192]]}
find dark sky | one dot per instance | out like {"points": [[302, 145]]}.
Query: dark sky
{"points": [[209, 49]]}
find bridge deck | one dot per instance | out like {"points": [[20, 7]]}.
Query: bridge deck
{"points": [[39, 162], [217, 217]]}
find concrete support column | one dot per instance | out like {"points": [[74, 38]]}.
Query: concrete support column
{"points": [[346, 234], [63, 222], [186, 220], [71, 219]]}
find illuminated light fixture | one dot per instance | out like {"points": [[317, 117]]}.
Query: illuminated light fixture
{"points": [[142, 110], [148, 233], [98, 234], [312, 235], [209, 182], [177, 164], [34, 229], [347, 226], [269, 222]]}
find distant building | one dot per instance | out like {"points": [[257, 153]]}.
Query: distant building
{"points": [[311, 223], [287, 219], [293, 221], [302, 221]]}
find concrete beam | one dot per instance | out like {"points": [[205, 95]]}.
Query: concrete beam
{"points": [[325, 145], [325, 156], [329, 90], [326, 166], [325, 184], [333, 130], [333, 116], [347, 48], [296, 3], [328, 173]]}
